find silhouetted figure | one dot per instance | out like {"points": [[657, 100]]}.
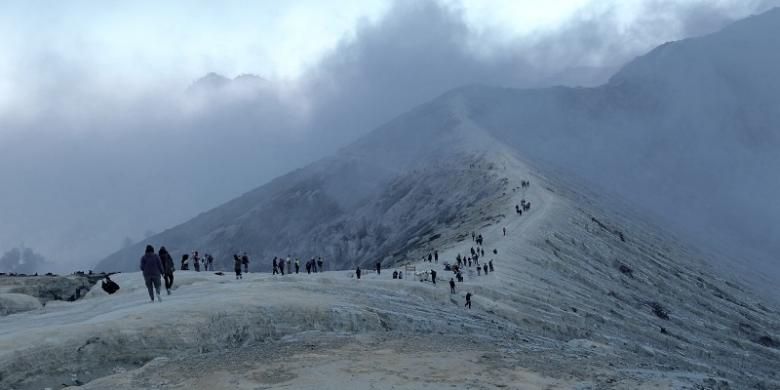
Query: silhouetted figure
{"points": [[245, 262], [275, 267], [185, 266], [357, 272], [168, 268], [468, 300], [433, 276], [237, 262], [378, 267], [436, 256], [152, 269], [452, 286]]}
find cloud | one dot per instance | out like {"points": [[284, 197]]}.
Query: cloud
{"points": [[91, 161]]}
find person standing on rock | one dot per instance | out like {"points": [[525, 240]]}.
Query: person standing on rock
{"points": [[320, 264], [210, 262], [504, 231], [436, 256], [168, 268], [276, 267], [196, 261], [357, 272], [185, 266], [297, 265], [281, 266], [485, 268], [433, 276], [452, 286], [152, 269], [237, 261], [378, 268], [468, 300]]}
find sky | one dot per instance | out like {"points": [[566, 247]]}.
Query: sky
{"points": [[106, 134]]}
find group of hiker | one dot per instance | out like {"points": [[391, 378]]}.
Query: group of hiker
{"points": [[279, 265], [206, 262]]}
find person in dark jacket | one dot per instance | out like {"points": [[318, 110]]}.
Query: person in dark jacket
{"points": [[378, 268], [168, 268], [245, 262], [357, 272], [152, 270], [433, 276], [275, 267], [436, 256], [468, 300], [185, 266], [485, 268], [452, 286], [320, 264], [237, 261]]}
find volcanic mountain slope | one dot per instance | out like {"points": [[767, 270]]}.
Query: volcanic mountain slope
{"points": [[688, 133], [581, 297], [384, 193]]}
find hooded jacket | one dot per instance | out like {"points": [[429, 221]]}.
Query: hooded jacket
{"points": [[151, 265]]}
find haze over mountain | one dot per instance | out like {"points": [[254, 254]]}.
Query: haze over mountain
{"points": [[687, 133], [95, 158]]}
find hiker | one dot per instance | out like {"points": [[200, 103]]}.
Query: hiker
{"points": [[168, 268], [308, 267], [281, 266], [517, 210], [430, 258], [395, 274], [469, 262], [473, 236], [314, 264], [245, 262], [237, 261], [460, 277], [504, 231], [210, 262], [468, 300], [479, 270], [472, 251], [482, 251], [480, 240], [185, 266], [436, 256], [152, 269], [433, 276], [289, 265], [485, 269], [378, 267], [320, 263], [357, 272], [490, 265], [275, 266], [109, 285], [400, 274], [452, 286], [297, 265], [196, 261]]}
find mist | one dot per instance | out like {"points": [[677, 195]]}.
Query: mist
{"points": [[87, 163]]}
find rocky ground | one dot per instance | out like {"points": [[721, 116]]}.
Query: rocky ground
{"points": [[581, 298]]}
